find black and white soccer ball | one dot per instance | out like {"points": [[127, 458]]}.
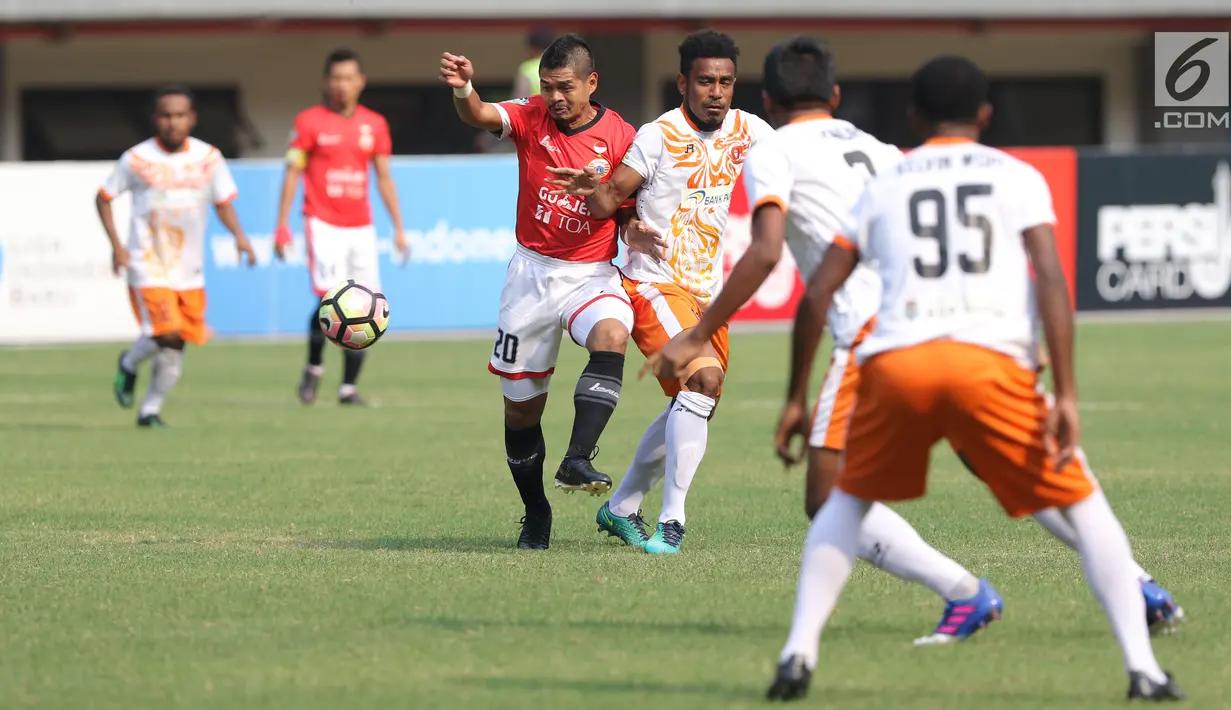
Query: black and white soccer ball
{"points": [[353, 315]]}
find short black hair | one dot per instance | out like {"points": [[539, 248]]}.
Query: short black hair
{"points": [[949, 88], [176, 90], [706, 44], [799, 71], [568, 50], [340, 55]]}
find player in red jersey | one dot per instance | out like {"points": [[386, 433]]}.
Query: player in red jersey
{"points": [[332, 145], [561, 278]]}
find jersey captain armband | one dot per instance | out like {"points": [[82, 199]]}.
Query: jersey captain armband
{"points": [[297, 157]]}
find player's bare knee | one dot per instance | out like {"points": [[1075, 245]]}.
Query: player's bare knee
{"points": [[822, 474], [706, 381], [608, 335], [525, 414]]}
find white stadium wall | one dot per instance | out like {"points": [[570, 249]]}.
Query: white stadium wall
{"points": [[278, 75]]}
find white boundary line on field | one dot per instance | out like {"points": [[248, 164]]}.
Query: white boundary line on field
{"points": [[1174, 315]]}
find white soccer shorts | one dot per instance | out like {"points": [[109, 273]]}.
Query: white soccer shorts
{"points": [[336, 254], [542, 299]]}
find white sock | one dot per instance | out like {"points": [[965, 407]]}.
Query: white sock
{"points": [[829, 557], [1054, 522], [645, 470], [889, 542], [347, 390], [688, 429], [317, 370], [140, 351], [167, 366], [1108, 564]]}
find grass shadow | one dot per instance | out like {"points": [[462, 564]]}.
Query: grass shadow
{"points": [[421, 544], [883, 695], [730, 692]]}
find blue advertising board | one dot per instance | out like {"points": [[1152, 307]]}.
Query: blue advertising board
{"points": [[458, 214]]}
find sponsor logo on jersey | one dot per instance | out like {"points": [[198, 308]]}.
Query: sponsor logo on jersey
{"points": [[367, 141], [697, 198], [1167, 252], [599, 166], [328, 139], [546, 143]]}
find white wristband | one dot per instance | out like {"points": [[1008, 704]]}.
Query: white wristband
{"points": [[462, 92]]}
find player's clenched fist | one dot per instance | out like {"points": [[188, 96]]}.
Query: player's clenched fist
{"points": [[455, 70]]}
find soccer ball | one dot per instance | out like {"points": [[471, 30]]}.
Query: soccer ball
{"points": [[353, 315]]}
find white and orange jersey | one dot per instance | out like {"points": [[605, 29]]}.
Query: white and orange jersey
{"points": [[943, 230], [816, 168], [689, 177], [171, 197]]}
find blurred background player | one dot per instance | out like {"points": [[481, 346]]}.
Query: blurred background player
{"points": [[561, 276], [953, 355], [685, 166], [173, 178], [332, 145]]}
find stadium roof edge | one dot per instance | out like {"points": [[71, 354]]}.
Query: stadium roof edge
{"points": [[13, 11], [61, 30]]}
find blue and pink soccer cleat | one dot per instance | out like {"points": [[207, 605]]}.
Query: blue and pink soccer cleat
{"points": [[963, 617], [1163, 615]]}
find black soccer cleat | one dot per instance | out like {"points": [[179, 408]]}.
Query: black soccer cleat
{"points": [[307, 387], [791, 682], [535, 531], [1140, 687], [125, 384], [352, 400], [151, 421], [576, 473]]}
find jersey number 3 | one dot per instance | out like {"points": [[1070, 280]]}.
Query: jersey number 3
{"points": [[938, 230]]}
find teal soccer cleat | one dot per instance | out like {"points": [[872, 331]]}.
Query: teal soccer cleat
{"points": [[667, 539], [630, 529]]}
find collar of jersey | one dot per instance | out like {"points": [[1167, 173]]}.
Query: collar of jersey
{"points": [[163, 148], [947, 140], [813, 116], [694, 123], [599, 110]]}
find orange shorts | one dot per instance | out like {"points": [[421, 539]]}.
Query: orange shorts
{"points": [[832, 414], [985, 404], [660, 312], [162, 311]]}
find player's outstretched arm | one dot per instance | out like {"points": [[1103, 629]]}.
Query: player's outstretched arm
{"points": [[290, 182], [756, 264], [602, 198], [837, 266], [839, 262], [389, 195], [119, 255], [1056, 312], [457, 71], [230, 220]]}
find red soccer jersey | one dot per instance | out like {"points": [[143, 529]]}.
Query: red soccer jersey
{"points": [[561, 227], [338, 151]]}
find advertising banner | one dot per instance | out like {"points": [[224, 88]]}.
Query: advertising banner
{"points": [[458, 214], [1156, 231], [56, 283]]}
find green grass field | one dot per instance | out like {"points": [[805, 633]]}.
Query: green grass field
{"points": [[260, 554]]}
